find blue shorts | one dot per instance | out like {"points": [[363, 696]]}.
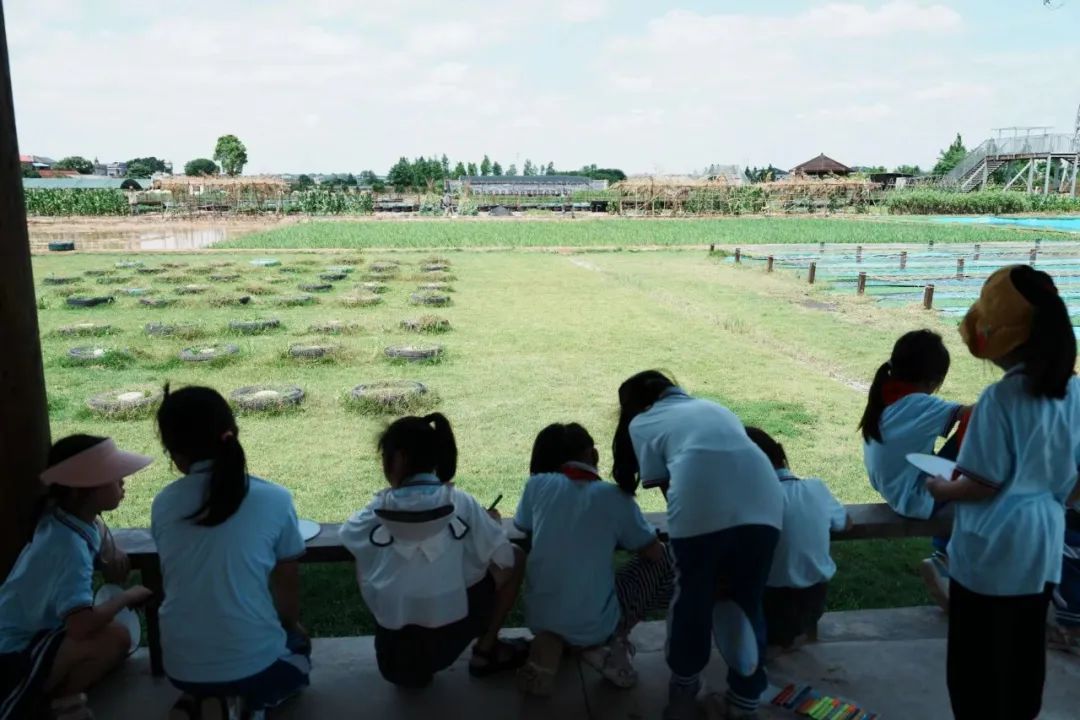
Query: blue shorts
{"points": [[266, 689]]}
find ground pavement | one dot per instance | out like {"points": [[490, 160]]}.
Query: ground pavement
{"points": [[889, 661]]}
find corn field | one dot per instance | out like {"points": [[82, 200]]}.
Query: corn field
{"points": [[56, 202]]}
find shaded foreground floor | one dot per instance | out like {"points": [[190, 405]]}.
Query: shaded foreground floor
{"points": [[889, 661]]}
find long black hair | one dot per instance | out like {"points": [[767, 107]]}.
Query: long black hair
{"points": [[197, 424], [61, 450], [558, 444], [1049, 355], [427, 444], [772, 449], [918, 357], [636, 394]]}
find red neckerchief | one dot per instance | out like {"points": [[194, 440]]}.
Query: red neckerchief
{"points": [[894, 391], [575, 471], [962, 426]]}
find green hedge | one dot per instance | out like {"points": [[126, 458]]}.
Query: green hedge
{"points": [[71, 201], [984, 202], [329, 202]]}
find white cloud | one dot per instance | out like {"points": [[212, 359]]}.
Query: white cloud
{"points": [[336, 85]]}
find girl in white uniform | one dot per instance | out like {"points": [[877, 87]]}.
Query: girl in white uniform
{"points": [[436, 570], [1016, 470]]}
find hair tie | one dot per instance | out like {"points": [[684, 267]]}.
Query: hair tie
{"points": [[228, 435]]}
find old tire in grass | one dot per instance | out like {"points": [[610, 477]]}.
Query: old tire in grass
{"points": [[426, 324], [332, 276], [61, 246], [224, 277], [113, 280], [85, 330], [434, 267], [135, 291], [143, 270], [85, 301], [172, 330], [389, 396], [229, 300], [360, 300], [59, 280], [439, 287], [98, 272], [129, 264], [429, 298], [415, 353], [296, 300], [207, 353], [316, 287], [191, 289], [374, 287], [340, 269], [254, 327], [312, 351], [93, 355], [334, 327], [129, 402], [265, 262], [156, 302], [260, 398]]}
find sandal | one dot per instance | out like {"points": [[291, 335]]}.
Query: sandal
{"points": [[187, 707], [505, 655], [614, 661], [537, 676]]}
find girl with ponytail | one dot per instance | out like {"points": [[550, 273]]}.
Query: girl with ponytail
{"points": [[1015, 475], [229, 544], [436, 569], [904, 415]]}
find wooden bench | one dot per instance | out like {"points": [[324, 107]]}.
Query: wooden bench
{"points": [[869, 522]]}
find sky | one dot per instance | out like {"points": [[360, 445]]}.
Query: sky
{"points": [[658, 87]]}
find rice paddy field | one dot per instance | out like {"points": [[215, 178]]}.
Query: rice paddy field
{"points": [[529, 338]]}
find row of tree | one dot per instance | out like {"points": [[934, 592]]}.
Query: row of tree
{"points": [[230, 156], [430, 172]]}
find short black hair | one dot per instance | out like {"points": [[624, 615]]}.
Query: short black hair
{"points": [[558, 444], [772, 449]]}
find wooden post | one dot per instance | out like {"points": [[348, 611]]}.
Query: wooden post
{"points": [[712, 247], [1049, 168], [1033, 256], [928, 297], [903, 260], [960, 268], [860, 289], [978, 250], [738, 255], [812, 275], [858, 253], [24, 413], [821, 248], [931, 244], [769, 264]]}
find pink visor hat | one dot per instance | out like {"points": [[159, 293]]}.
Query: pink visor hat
{"points": [[96, 466]]}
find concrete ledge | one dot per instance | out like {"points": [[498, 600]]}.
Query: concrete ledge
{"points": [[890, 661]]}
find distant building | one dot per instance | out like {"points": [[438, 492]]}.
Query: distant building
{"points": [[38, 162], [116, 169], [821, 166], [890, 180], [727, 174], [528, 185]]}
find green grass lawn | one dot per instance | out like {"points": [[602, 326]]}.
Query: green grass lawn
{"points": [[536, 338], [608, 232]]}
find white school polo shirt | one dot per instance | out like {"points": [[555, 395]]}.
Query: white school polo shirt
{"points": [[912, 424], [218, 620], [576, 525], [52, 578], [1028, 449], [422, 578], [802, 555], [718, 477]]}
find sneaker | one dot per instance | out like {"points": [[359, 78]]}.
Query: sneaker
{"points": [[682, 702], [936, 576], [615, 661]]}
